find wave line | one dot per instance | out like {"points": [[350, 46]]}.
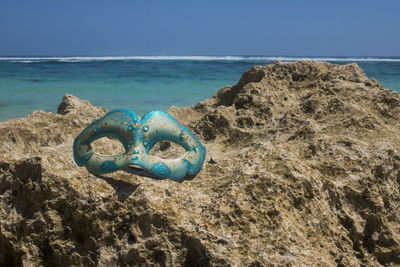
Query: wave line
{"points": [[193, 58]]}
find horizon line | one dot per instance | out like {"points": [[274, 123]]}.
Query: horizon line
{"points": [[76, 59], [188, 55]]}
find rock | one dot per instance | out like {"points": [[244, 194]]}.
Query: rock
{"points": [[75, 105], [305, 169]]}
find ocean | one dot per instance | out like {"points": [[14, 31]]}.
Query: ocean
{"points": [[141, 83]]}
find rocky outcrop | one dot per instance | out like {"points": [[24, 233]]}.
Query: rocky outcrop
{"points": [[305, 170]]}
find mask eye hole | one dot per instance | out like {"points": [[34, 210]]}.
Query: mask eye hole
{"points": [[108, 146], [167, 150]]}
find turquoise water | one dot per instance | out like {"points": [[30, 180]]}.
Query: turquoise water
{"points": [[140, 83]]}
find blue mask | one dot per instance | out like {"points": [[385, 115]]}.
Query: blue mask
{"points": [[138, 137]]}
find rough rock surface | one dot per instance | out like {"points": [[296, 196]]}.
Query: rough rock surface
{"points": [[306, 171]]}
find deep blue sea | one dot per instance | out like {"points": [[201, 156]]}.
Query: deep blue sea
{"points": [[142, 83]]}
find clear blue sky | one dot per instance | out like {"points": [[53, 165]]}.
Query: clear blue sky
{"points": [[218, 27]]}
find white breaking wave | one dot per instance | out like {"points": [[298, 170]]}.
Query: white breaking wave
{"points": [[22, 61], [193, 58]]}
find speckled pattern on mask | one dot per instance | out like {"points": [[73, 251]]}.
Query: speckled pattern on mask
{"points": [[138, 137]]}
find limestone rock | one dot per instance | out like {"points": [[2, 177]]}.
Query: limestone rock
{"points": [[75, 105], [305, 171]]}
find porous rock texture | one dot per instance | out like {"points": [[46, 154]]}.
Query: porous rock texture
{"points": [[305, 171]]}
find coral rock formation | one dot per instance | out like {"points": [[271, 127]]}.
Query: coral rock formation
{"points": [[305, 169]]}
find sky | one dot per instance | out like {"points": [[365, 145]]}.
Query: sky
{"points": [[218, 27]]}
